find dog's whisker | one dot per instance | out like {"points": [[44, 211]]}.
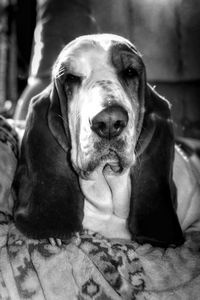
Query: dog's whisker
{"points": [[60, 74], [61, 71]]}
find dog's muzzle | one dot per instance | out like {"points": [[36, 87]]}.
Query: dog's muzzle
{"points": [[110, 122]]}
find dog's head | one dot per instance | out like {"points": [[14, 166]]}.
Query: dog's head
{"points": [[99, 116], [102, 77]]}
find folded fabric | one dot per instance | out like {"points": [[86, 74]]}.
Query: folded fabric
{"points": [[8, 162], [92, 267]]}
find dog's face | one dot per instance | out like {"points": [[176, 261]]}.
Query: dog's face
{"points": [[101, 81]]}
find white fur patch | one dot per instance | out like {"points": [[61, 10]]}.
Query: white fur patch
{"points": [[188, 188], [107, 202]]}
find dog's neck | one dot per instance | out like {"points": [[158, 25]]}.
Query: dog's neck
{"points": [[106, 206]]}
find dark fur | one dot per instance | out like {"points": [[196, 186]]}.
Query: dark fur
{"points": [[47, 187], [152, 215], [45, 183]]}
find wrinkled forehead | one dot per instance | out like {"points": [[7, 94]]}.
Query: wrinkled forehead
{"points": [[97, 50]]}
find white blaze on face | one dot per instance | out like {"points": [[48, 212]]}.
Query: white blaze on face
{"points": [[86, 102], [82, 109], [91, 105]]}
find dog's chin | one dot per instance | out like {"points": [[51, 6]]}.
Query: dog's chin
{"points": [[108, 164], [112, 168], [111, 164]]}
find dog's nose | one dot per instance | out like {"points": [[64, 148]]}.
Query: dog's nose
{"points": [[110, 122]]}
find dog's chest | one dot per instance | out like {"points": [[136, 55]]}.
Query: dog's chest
{"points": [[106, 204]]}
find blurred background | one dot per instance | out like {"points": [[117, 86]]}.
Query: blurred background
{"points": [[166, 32]]}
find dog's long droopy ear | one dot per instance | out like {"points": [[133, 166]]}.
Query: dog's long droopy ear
{"points": [[49, 201], [152, 217]]}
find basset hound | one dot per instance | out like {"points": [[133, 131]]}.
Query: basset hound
{"points": [[98, 150]]}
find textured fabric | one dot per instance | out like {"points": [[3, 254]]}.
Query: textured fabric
{"points": [[8, 163], [92, 267]]}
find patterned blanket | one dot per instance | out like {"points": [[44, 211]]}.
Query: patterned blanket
{"points": [[92, 267], [89, 266]]}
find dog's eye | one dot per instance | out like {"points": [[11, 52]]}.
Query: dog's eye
{"points": [[130, 73], [71, 78]]}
